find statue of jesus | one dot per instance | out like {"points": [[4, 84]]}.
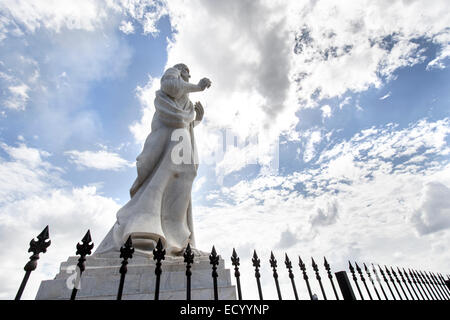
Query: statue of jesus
{"points": [[160, 206]]}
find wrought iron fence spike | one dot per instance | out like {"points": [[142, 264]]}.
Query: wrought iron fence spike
{"points": [[288, 264], [36, 247], [126, 252], [83, 249], [330, 276], [237, 274], [273, 264], [214, 261], [159, 254], [319, 279], [305, 276], [256, 263], [188, 256]]}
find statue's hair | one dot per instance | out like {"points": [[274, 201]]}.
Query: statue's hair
{"points": [[181, 66]]}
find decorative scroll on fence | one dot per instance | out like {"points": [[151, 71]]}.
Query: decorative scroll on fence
{"points": [[407, 285]]}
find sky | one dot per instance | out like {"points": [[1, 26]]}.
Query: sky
{"points": [[326, 128]]}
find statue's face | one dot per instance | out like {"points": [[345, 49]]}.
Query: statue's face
{"points": [[185, 74]]}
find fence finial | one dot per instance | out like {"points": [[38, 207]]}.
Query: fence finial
{"points": [[126, 252], [273, 264], [83, 249], [256, 263], [302, 266], [188, 259], [237, 274], [158, 254], [214, 261], [330, 276], [288, 264], [37, 247]]}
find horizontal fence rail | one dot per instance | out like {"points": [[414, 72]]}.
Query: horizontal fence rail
{"points": [[393, 283]]}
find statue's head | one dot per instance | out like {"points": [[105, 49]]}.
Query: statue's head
{"points": [[184, 70]]}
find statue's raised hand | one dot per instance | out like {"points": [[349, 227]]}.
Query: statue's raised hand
{"points": [[204, 83]]}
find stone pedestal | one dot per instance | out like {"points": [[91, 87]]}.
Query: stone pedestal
{"points": [[100, 280]]}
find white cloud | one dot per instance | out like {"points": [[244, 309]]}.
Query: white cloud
{"points": [[18, 98], [100, 160], [349, 205], [32, 195], [313, 138], [433, 213], [339, 47], [326, 111], [126, 27], [387, 95]]}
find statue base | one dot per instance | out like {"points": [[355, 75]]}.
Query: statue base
{"points": [[100, 280]]}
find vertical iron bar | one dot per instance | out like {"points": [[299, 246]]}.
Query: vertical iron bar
{"points": [[257, 265], [126, 252], [345, 286], [158, 255], [330, 276], [237, 274], [419, 283], [393, 282], [387, 282], [305, 276], [37, 247], [288, 264], [363, 280], [352, 270], [411, 285], [189, 260], [273, 265], [214, 261], [399, 283], [319, 279], [442, 285], [22, 285], [379, 281], [83, 250], [371, 280], [404, 281]]}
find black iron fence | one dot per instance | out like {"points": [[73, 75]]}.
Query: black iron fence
{"points": [[393, 284]]}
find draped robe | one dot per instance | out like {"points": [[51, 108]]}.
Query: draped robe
{"points": [[160, 205]]}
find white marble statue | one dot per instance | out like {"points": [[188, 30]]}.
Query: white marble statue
{"points": [[160, 204]]}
